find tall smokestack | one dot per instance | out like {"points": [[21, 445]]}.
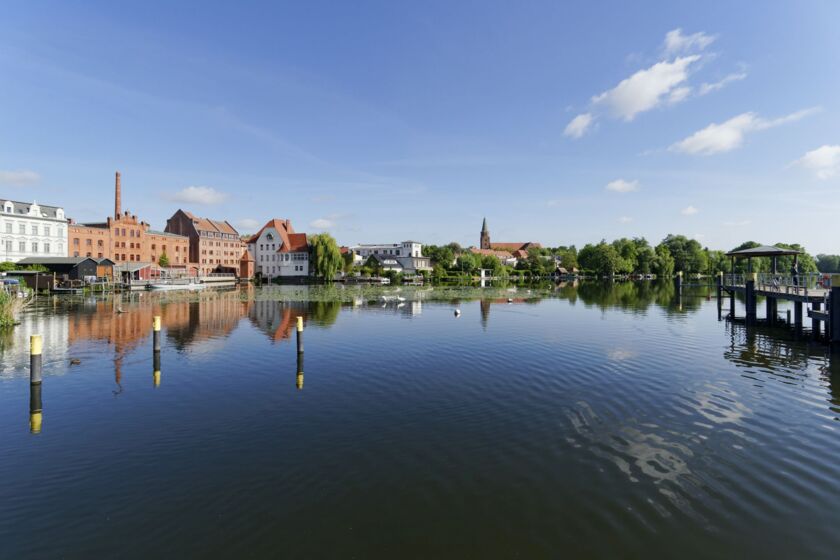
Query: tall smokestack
{"points": [[117, 198]]}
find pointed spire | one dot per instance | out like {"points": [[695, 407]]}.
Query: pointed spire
{"points": [[484, 225]]}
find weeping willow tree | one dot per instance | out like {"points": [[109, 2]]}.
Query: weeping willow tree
{"points": [[326, 256]]}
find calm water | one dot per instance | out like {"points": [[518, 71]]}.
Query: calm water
{"points": [[595, 422]]}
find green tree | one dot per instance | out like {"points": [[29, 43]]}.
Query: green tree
{"points": [[493, 264], [663, 263], [325, 255], [687, 253], [467, 262], [601, 259], [828, 263], [163, 260]]}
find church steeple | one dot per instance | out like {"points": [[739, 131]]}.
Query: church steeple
{"points": [[485, 235]]}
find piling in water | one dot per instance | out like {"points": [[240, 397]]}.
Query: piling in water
{"points": [[751, 304], [156, 333], [300, 335], [36, 346]]}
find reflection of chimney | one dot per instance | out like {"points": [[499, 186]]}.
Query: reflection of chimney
{"points": [[117, 198]]}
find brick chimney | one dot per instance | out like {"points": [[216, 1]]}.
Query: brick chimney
{"points": [[117, 198]]}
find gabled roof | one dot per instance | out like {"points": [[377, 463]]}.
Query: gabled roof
{"points": [[53, 260], [515, 246], [22, 209], [279, 225], [215, 226], [763, 251], [491, 252], [297, 244]]}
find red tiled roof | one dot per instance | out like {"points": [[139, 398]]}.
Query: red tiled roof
{"points": [[491, 252], [206, 224], [297, 244], [279, 226], [515, 246]]}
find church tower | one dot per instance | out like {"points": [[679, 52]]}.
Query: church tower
{"points": [[485, 236]]}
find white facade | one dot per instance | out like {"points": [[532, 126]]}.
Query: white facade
{"points": [[31, 230], [273, 259]]}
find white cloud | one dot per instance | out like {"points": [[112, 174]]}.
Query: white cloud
{"points": [[676, 42], [198, 195], [322, 223], [689, 211], [578, 126], [19, 178], [646, 89], [625, 219], [729, 135], [708, 88], [248, 224], [824, 161], [622, 186], [679, 94]]}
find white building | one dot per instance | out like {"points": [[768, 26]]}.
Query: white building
{"points": [[406, 257], [279, 252], [31, 230]]}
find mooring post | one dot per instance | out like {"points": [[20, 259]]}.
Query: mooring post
{"points": [[732, 305], [719, 287], [156, 333], [300, 335], [156, 369], [678, 282], [299, 377], [749, 290], [834, 313], [788, 317], [815, 323], [36, 347], [797, 316], [768, 306]]}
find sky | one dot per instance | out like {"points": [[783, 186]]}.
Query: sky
{"points": [[386, 121]]}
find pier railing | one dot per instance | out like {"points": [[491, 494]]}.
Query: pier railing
{"points": [[783, 283]]}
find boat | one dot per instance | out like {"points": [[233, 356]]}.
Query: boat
{"points": [[175, 285]]}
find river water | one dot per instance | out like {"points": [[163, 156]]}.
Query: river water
{"points": [[577, 421]]}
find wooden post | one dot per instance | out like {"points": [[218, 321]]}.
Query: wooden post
{"points": [[732, 305], [768, 306], [815, 323], [749, 290], [834, 313], [300, 335], [299, 376], [797, 316], [156, 369], [678, 282], [156, 333]]}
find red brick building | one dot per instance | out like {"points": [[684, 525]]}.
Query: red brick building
{"points": [[124, 238], [214, 246]]}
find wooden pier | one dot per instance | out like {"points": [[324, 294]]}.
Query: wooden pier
{"points": [[814, 296]]}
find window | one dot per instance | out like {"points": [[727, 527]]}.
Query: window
{"points": [[76, 241], [22, 229], [99, 243], [8, 246], [88, 241], [34, 246], [75, 253], [61, 248], [46, 247], [47, 231], [60, 232], [34, 230], [8, 227]]}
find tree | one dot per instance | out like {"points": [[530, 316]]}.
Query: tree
{"points": [[663, 263], [602, 259], [348, 258], [467, 262], [492, 263], [687, 253], [163, 260], [325, 256], [828, 263]]}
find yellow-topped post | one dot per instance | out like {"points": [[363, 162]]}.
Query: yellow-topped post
{"points": [[36, 347], [156, 333], [300, 335]]}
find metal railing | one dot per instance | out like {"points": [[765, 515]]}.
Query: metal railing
{"points": [[783, 283]]}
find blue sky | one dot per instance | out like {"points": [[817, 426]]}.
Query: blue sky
{"points": [[383, 121]]}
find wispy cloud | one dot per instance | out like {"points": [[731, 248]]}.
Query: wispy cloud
{"points": [[676, 42], [578, 126], [663, 83], [622, 186], [689, 211], [198, 195], [824, 161], [625, 220], [714, 86], [729, 135], [19, 178]]}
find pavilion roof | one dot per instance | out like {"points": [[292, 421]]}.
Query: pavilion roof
{"points": [[763, 251]]}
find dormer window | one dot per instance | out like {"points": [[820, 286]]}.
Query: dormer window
{"points": [[9, 208]]}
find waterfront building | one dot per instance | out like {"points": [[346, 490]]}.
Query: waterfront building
{"points": [[214, 245], [517, 249], [406, 257], [31, 230], [279, 252], [126, 240]]}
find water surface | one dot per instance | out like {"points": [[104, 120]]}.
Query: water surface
{"points": [[581, 421]]}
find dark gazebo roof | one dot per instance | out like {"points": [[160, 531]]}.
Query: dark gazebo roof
{"points": [[763, 251]]}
